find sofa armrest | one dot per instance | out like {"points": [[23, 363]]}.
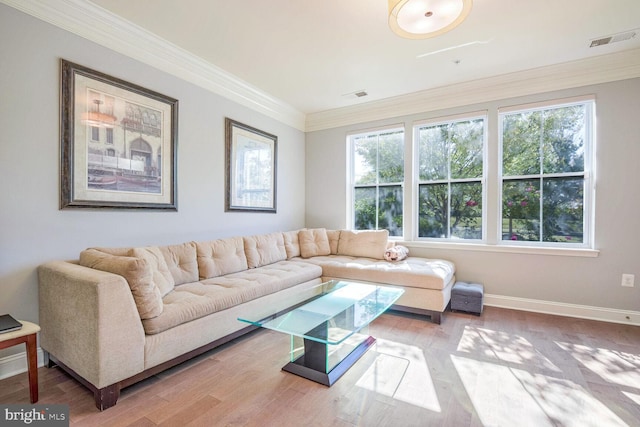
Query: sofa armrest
{"points": [[89, 322]]}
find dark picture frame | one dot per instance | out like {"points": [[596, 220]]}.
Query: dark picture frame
{"points": [[251, 160], [118, 143]]}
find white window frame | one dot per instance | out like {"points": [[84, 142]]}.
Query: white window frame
{"points": [[350, 220], [589, 171], [416, 172], [492, 187]]}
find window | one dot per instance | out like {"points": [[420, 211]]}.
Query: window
{"points": [[95, 133], [109, 132], [518, 179], [450, 179], [545, 179], [377, 176]]}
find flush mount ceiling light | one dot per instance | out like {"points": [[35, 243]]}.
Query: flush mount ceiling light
{"points": [[422, 19]]}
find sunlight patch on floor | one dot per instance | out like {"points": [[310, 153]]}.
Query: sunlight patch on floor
{"points": [[504, 396], [502, 346], [400, 371], [614, 366]]}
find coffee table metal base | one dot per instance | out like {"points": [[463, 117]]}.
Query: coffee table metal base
{"points": [[311, 364]]}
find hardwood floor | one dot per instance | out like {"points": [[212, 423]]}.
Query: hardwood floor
{"points": [[505, 368]]}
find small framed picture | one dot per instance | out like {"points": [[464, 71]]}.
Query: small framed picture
{"points": [[251, 162]]}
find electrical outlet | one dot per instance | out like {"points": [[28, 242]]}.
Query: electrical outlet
{"points": [[627, 280]]}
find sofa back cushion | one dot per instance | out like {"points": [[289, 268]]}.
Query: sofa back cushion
{"points": [[291, 243], [222, 256], [138, 274], [182, 262], [314, 242], [114, 251], [264, 249], [161, 275], [367, 243], [334, 237]]}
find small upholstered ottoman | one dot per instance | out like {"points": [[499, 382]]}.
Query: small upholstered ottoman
{"points": [[467, 297]]}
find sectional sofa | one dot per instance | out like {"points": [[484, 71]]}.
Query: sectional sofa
{"points": [[118, 315]]}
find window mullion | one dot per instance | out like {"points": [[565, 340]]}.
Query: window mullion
{"points": [[448, 142], [541, 207], [377, 181], [541, 200]]}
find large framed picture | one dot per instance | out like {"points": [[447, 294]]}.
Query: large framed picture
{"points": [[251, 161], [118, 143]]}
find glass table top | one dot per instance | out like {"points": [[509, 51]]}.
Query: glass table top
{"points": [[340, 310]]}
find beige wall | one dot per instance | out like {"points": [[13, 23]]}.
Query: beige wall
{"points": [[33, 230], [570, 280]]}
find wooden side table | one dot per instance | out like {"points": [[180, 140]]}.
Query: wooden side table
{"points": [[27, 334]]}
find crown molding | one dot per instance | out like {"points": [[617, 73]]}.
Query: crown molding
{"points": [[98, 25], [594, 70]]}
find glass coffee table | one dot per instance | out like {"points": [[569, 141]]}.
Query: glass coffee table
{"points": [[329, 332]]}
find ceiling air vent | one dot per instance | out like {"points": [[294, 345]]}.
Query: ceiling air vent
{"points": [[357, 94], [614, 38]]}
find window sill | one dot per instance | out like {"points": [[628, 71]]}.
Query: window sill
{"points": [[482, 247]]}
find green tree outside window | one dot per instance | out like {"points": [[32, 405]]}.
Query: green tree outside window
{"points": [[450, 171], [378, 176], [543, 174]]}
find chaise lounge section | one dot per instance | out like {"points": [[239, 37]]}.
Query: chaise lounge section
{"points": [[119, 315]]}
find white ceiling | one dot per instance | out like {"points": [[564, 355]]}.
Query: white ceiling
{"points": [[312, 54]]}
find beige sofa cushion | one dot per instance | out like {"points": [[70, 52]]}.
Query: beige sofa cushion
{"points": [[334, 237], [138, 274], [291, 243], [222, 256], [367, 243], [115, 251], [264, 249], [314, 242], [161, 275], [182, 262], [413, 272], [194, 300]]}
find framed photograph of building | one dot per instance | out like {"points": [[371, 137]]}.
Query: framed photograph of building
{"points": [[118, 143], [251, 161]]}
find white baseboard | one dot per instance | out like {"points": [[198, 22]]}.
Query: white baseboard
{"points": [[17, 363], [612, 315]]}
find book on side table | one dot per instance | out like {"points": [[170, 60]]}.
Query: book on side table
{"points": [[8, 323]]}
